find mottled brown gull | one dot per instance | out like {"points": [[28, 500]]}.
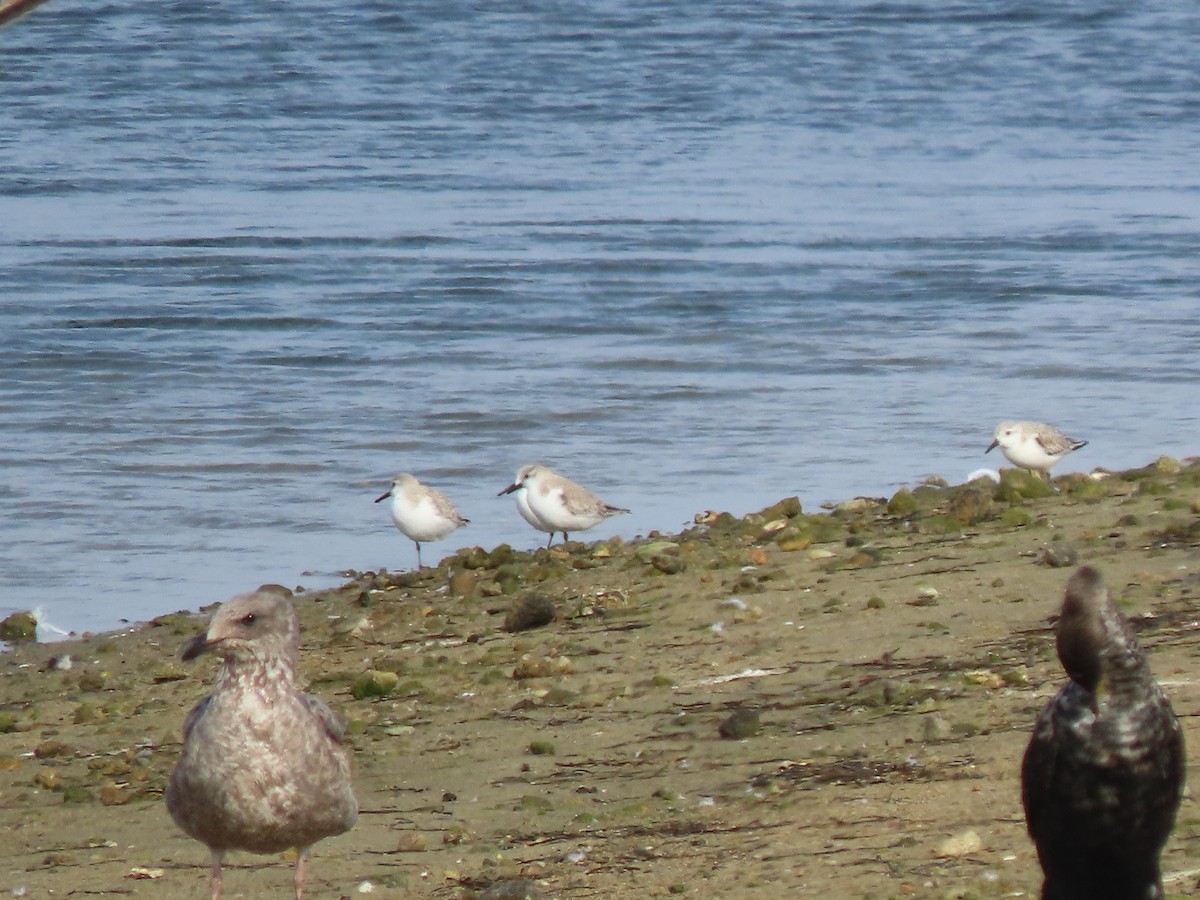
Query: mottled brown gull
{"points": [[262, 767]]}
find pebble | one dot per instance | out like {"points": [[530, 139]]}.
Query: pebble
{"points": [[1060, 556], [964, 843], [512, 889], [530, 611], [374, 683], [741, 724]]}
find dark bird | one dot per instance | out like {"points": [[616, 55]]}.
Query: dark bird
{"points": [[262, 767], [1103, 774]]}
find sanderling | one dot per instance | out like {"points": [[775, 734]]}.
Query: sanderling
{"points": [[1032, 445], [551, 503], [421, 512]]}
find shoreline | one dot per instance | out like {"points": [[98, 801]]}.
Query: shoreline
{"points": [[885, 661]]}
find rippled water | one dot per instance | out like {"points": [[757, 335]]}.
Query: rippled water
{"points": [[257, 258]]}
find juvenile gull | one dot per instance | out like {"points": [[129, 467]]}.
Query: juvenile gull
{"points": [[420, 512], [262, 767], [1103, 774], [1032, 445], [549, 502]]}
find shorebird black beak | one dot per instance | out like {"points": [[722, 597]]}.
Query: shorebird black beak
{"points": [[992, 446], [384, 497], [193, 648], [508, 490]]}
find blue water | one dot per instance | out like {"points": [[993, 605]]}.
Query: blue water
{"points": [[257, 258]]}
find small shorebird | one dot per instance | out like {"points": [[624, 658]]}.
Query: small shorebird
{"points": [[262, 767], [420, 512], [1103, 774], [549, 502], [1032, 445]]}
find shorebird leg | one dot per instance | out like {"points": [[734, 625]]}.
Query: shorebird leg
{"points": [[418, 545], [215, 879]]}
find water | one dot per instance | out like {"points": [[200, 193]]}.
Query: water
{"points": [[257, 258]]}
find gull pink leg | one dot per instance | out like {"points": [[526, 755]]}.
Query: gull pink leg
{"points": [[301, 859], [215, 879]]}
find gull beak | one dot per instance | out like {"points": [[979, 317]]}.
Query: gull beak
{"points": [[992, 446], [384, 497], [197, 645], [516, 485]]}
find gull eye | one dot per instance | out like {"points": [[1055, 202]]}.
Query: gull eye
{"points": [[249, 619]]}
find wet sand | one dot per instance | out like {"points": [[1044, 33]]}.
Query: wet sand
{"points": [[885, 668]]}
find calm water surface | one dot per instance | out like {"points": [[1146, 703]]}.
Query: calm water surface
{"points": [[257, 258]]}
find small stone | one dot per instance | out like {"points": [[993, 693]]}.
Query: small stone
{"points": [[669, 564], [936, 728], [530, 611], [92, 680], [647, 552], [349, 626], [113, 795], [1021, 484], [793, 538], [1060, 556], [51, 749], [903, 503], [512, 889], [855, 505], [1167, 465], [457, 834], [373, 683], [1016, 517], [464, 584], [962, 844], [787, 508], [77, 794], [985, 678], [529, 666], [411, 842], [20, 626], [774, 527], [741, 724], [970, 506]]}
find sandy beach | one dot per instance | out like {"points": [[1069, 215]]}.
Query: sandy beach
{"points": [[777, 705]]}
